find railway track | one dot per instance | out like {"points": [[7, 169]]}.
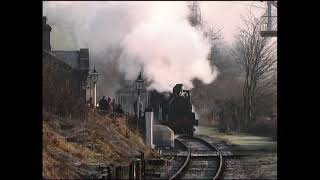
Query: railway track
{"points": [[192, 158], [176, 158], [203, 161]]}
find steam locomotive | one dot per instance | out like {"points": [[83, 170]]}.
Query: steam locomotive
{"points": [[174, 110]]}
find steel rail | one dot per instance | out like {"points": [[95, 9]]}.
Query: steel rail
{"points": [[186, 162], [211, 146]]}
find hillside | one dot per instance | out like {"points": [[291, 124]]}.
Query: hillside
{"points": [[71, 147]]}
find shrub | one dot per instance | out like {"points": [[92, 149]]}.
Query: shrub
{"points": [[266, 126]]}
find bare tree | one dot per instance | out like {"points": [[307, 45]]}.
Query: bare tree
{"points": [[195, 14], [257, 56], [211, 33]]}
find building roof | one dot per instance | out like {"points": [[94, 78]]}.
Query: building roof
{"points": [[46, 52], [69, 57]]}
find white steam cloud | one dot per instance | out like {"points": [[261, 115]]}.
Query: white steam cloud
{"points": [[155, 35]]}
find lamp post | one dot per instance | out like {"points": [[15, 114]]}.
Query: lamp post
{"points": [[139, 84], [91, 82], [94, 78]]}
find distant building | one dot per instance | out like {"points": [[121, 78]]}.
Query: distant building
{"points": [[126, 96], [71, 67]]}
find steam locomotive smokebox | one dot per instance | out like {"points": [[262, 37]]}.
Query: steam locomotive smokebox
{"points": [[163, 136]]}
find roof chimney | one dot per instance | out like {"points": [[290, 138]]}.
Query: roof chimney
{"points": [[84, 59], [44, 20], [46, 29]]}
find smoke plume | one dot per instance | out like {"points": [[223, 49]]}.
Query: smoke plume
{"points": [[154, 35]]}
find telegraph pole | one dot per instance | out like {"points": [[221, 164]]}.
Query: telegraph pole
{"points": [[269, 24], [269, 30]]}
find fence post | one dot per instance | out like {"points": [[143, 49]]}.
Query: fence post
{"points": [[117, 172], [143, 165], [132, 171], [109, 172], [138, 169]]}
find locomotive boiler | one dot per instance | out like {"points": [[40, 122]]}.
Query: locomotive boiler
{"points": [[175, 110]]}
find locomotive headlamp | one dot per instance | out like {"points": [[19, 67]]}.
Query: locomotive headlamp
{"points": [[139, 82]]}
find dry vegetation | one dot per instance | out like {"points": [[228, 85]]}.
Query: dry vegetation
{"points": [[70, 145], [75, 137]]}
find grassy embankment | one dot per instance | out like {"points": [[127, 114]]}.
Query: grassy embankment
{"points": [[246, 141], [71, 145]]}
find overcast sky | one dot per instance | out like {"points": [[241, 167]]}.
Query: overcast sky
{"points": [[227, 14], [155, 35], [220, 14]]}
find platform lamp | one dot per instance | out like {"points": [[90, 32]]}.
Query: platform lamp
{"points": [[139, 85], [93, 78], [94, 75]]}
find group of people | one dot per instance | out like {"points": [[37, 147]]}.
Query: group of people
{"points": [[110, 106]]}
